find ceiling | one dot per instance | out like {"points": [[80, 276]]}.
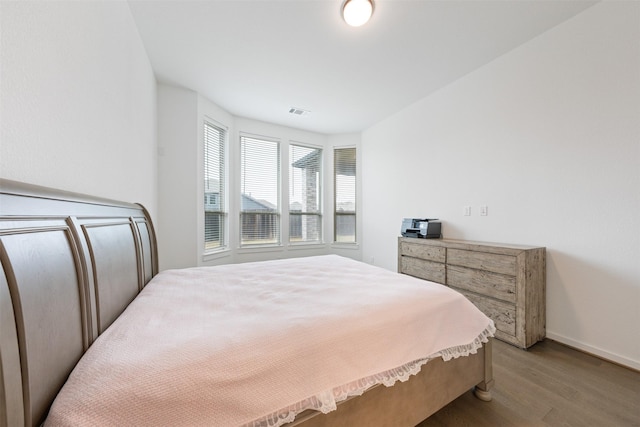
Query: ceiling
{"points": [[257, 59]]}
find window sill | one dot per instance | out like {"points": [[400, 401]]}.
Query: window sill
{"points": [[352, 246], [306, 245], [210, 256], [260, 248]]}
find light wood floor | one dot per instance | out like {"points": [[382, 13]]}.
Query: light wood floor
{"points": [[549, 385]]}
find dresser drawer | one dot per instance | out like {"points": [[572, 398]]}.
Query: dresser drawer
{"points": [[417, 250], [428, 270], [503, 314], [503, 264], [494, 285]]}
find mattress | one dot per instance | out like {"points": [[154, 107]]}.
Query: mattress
{"points": [[255, 344]]}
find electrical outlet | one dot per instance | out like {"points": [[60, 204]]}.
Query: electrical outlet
{"points": [[484, 210], [467, 211]]}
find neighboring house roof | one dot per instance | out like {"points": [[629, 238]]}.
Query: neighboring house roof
{"points": [[251, 204], [346, 167], [311, 161], [248, 203], [295, 207]]}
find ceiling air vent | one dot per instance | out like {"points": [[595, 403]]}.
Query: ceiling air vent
{"points": [[299, 111]]}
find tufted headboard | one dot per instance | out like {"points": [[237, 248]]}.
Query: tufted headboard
{"points": [[70, 265]]}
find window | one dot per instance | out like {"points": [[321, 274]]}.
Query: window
{"points": [[214, 187], [344, 181], [259, 186], [305, 213]]}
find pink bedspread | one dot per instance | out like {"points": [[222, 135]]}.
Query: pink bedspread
{"points": [[256, 343]]}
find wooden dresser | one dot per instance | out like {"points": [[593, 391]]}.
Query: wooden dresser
{"points": [[506, 282]]}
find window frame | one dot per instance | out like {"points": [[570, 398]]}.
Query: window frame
{"points": [[354, 213], [223, 186], [242, 244]]}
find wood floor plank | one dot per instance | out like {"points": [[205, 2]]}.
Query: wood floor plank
{"points": [[549, 385], [528, 405]]}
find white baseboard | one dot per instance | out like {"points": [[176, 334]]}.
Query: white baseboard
{"points": [[621, 360]]}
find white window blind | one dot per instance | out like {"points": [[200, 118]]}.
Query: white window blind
{"points": [[214, 187], [305, 213], [344, 179], [260, 180]]}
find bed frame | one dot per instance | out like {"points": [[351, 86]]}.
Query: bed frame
{"points": [[72, 263]]}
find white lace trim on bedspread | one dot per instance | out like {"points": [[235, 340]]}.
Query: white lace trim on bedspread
{"points": [[326, 401]]}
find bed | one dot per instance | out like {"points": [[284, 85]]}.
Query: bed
{"points": [[91, 333]]}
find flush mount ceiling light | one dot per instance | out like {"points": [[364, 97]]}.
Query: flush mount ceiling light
{"points": [[357, 12]]}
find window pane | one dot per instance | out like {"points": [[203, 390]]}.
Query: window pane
{"points": [[344, 162], [260, 177], [214, 185], [305, 219], [345, 228], [304, 228]]}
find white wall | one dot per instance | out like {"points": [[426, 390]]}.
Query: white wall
{"points": [[77, 100], [177, 176], [548, 137]]}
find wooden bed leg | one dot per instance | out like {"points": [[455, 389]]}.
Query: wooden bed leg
{"points": [[482, 390], [483, 395]]}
